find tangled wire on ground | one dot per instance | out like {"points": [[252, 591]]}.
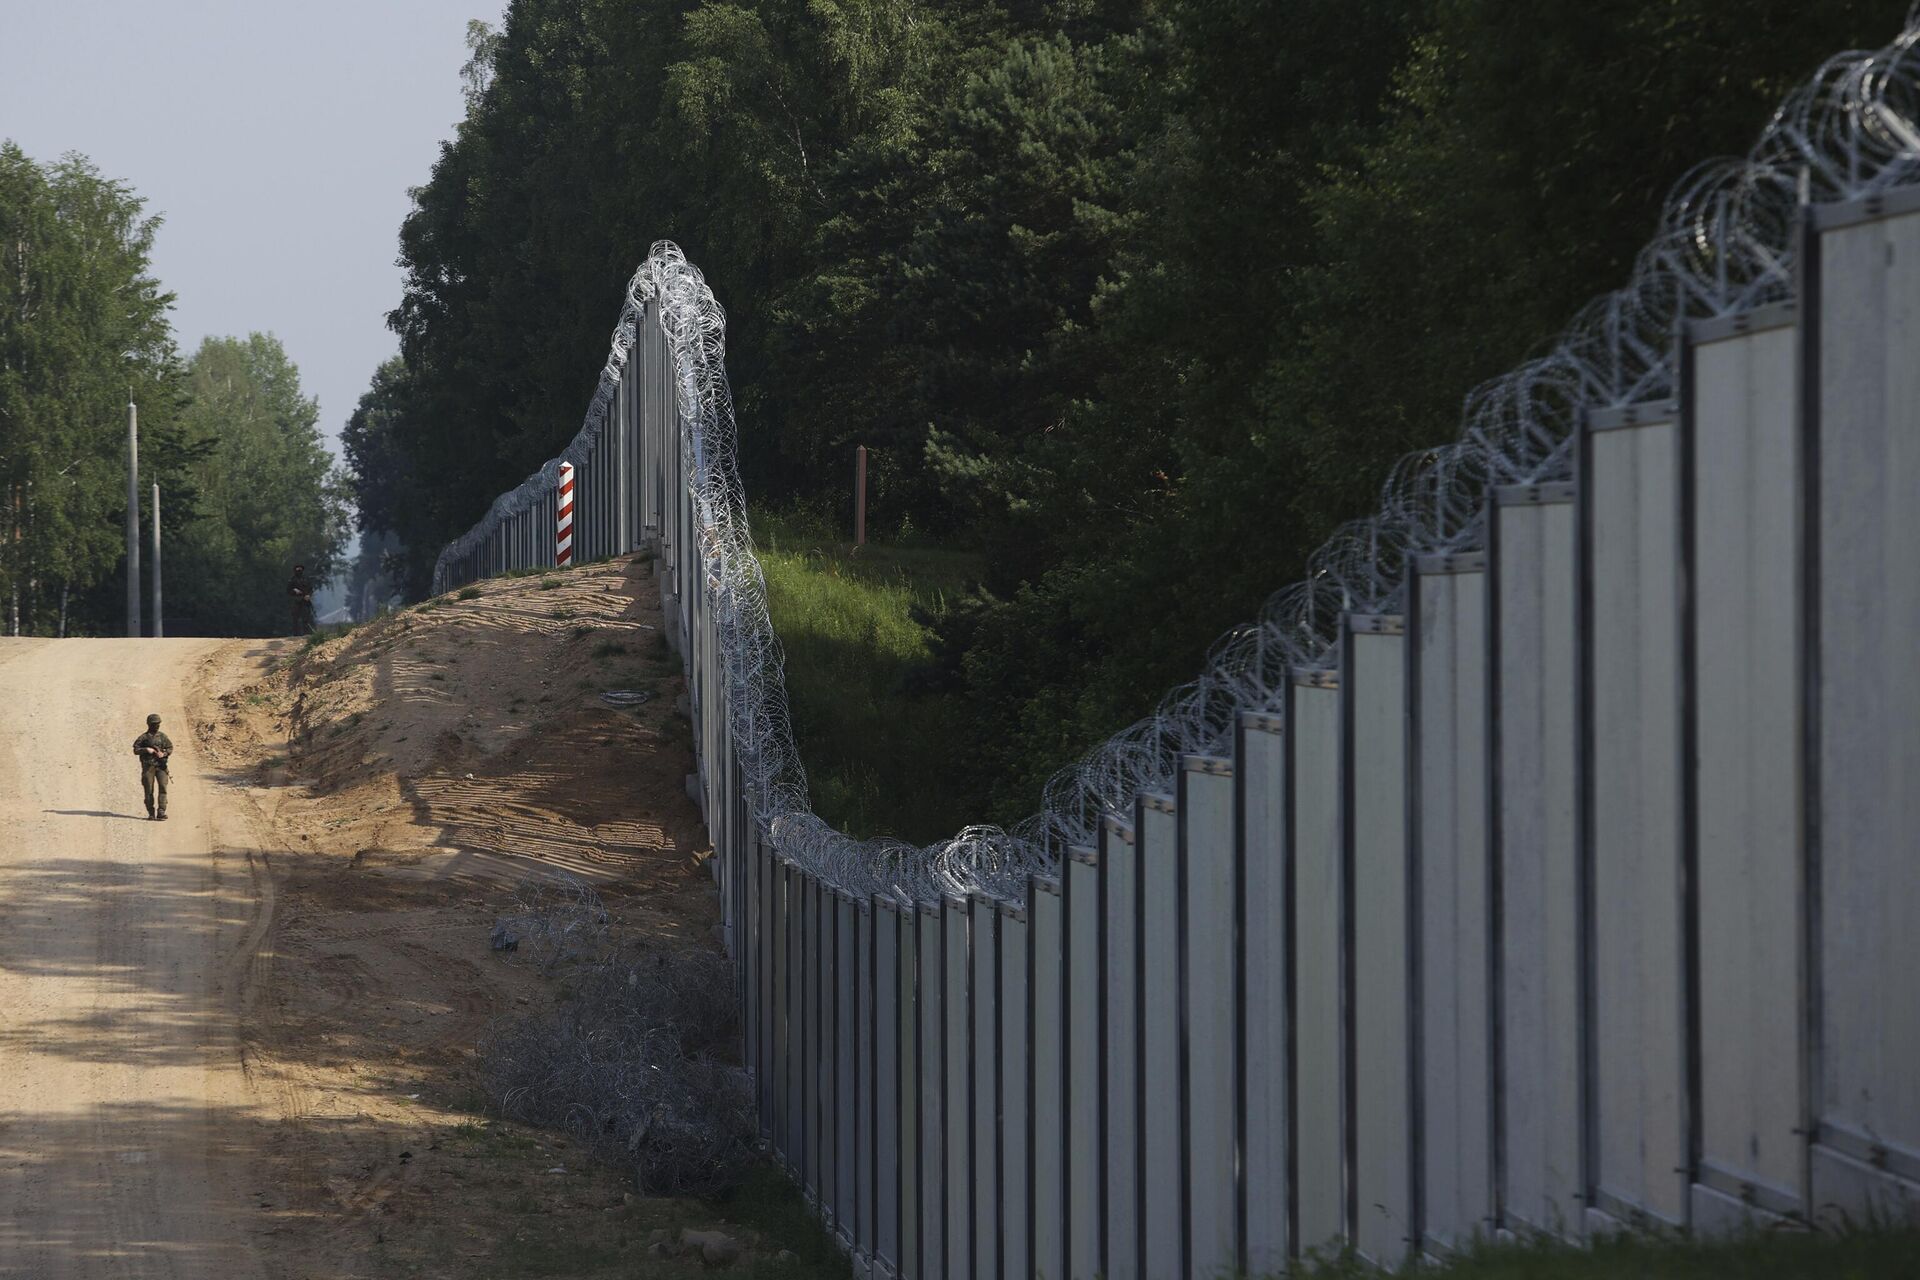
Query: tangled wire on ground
{"points": [[557, 919], [634, 1064], [1727, 241]]}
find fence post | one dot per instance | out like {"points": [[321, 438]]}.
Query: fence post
{"points": [[860, 496], [563, 526]]}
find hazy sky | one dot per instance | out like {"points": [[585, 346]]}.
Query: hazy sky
{"points": [[277, 139]]}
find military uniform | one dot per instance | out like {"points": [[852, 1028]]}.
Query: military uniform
{"points": [[153, 769], [300, 592]]}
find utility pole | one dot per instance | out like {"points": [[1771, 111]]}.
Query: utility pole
{"points": [[133, 519], [157, 624]]}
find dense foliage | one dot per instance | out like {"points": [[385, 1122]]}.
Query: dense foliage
{"points": [[1138, 298], [84, 329], [269, 495]]}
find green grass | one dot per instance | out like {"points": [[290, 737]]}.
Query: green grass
{"points": [[1857, 1254], [878, 759], [469, 593], [320, 635], [768, 1202]]}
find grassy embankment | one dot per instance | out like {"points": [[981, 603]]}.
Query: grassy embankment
{"points": [[878, 757]]}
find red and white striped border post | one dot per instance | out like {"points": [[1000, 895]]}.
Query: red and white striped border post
{"points": [[563, 529]]}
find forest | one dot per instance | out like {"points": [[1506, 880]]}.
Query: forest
{"points": [[247, 487], [1133, 300]]}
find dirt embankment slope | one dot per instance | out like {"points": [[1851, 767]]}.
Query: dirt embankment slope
{"points": [[407, 776]]}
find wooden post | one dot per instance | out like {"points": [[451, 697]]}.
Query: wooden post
{"points": [[860, 496]]}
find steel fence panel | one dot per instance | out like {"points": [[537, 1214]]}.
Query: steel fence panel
{"points": [[866, 1080], [1380, 1052], [846, 1093], [911, 1118], [814, 1045], [1047, 1108], [931, 1057], [1748, 766], [1156, 961], [1119, 978], [983, 1088], [1320, 999], [1086, 1064], [1260, 778], [890, 1141], [824, 1063], [765, 1054], [1454, 1055], [1630, 497], [1209, 1042], [956, 1055], [1158, 1215], [1867, 606], [1537, 870], [1017, 1061], [786, 1061]]}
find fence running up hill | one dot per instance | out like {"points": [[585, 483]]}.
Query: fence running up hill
{"points": [[1548, 860]]}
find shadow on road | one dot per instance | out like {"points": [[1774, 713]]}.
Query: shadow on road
{"points": [[93, 813], [122, 931], [75, 1184]]}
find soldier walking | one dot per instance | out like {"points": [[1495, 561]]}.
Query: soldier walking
{"points": [[300, 591], [154, 747]]}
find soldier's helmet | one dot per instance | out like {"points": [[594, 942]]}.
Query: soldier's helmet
{"points": [[153, 722]]}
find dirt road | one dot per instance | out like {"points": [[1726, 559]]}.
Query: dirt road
{"points": [[123, 953], [246, 1043]]}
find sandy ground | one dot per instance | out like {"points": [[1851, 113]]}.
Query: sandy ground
{"points": [[124, 949], [243, 1043]]}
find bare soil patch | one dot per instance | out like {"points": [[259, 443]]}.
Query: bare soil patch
{"points": [[406, 777]]}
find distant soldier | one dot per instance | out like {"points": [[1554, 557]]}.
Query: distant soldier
{"points": [[154, 747], [300, 592]]}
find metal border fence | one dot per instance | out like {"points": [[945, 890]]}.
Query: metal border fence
{"points": [[1544, 861]]}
